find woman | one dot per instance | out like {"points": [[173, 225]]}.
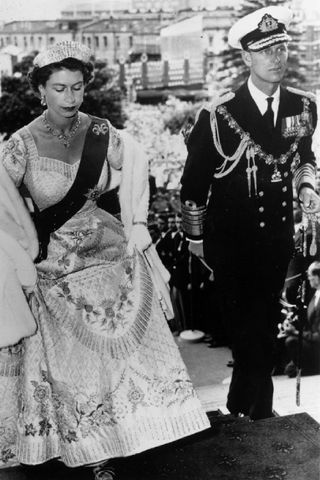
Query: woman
{"points": [[102, 376]]}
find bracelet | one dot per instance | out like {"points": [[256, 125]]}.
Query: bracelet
{"points": [[140, 223]]}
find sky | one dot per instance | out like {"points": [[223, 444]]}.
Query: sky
{"points": [[50, 9], [30, 9]]}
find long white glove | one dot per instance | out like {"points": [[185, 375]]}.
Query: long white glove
{"points": [[139, 238]]}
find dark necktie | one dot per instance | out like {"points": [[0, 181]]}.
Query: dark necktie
{"points": [[269, 114]]}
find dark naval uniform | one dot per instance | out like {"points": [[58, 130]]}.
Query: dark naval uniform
{"points": [[237, 196]]}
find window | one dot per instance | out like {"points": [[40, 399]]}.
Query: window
{"points": [[131, 41], [89, 41], [96, 41], [51, 40], [105, 41]]}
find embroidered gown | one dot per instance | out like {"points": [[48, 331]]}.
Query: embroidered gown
{"points": [[102, 377]]}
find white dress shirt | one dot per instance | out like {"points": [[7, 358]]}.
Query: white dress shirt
{"points": [[260, 99]]}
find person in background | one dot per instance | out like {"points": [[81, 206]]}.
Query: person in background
{"points": [[102, 376], [162, 224], [310, 348], [164, 246], [236, 197], [180, 281]]}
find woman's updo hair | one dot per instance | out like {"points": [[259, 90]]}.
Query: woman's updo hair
{"points": [[40, 75]]}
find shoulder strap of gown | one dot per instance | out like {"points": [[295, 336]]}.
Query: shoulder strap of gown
{"points": [[91, 164]]}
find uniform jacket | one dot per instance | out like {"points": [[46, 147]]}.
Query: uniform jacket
{"points": [[180, 277], [238, 211]]}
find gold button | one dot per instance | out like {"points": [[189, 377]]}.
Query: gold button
{"points": [[261, 194], [284, 219], [285, 174], [284, 204], [261, 209], [262, 224], [284, 189]]}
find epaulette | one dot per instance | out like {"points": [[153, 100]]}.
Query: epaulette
{"points": [[303, 93], [223, 98], [219, 99]]}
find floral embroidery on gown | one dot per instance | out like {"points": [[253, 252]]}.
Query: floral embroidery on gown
{"points": [[102, 377]]}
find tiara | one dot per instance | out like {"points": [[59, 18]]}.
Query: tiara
{"points": [[62, 50]]}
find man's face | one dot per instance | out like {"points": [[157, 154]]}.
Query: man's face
{"points": [[161, 224], [314, 280], [179, 224], [268, 66], [171, 224]]}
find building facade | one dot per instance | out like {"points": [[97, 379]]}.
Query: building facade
{"points": [[310, 55], [127, 36], [34, 35], [93, 9]]}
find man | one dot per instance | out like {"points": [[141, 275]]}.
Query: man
{"points": [[310, 348], [246, 151], [180, 276], [167, 227]]}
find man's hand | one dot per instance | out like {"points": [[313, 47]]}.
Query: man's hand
{"points": [[310, 201], [196, 248]]}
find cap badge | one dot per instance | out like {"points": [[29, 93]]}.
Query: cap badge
{"points": [[268, 24]]}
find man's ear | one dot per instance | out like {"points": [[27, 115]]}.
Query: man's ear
{"points": [[246, 57]]}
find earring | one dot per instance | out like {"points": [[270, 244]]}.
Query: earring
{"points": [[43, 100]]}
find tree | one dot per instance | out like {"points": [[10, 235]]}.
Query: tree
{"points": [[233, 72], [103, 96], [19, 105]]}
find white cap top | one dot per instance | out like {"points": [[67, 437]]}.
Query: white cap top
{"points": [[261, 29]]}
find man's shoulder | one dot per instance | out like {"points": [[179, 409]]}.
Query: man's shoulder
{"points": [[221, 98], [298, 93]]}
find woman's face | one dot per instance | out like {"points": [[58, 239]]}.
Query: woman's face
{"points": [[64, 92]]}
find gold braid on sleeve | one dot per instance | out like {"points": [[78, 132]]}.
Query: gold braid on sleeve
{"points": [[192, 218]]}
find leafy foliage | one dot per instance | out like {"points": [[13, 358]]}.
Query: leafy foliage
{"points": [[103, 96], [233, 72], [159, 129], [18, 104]]}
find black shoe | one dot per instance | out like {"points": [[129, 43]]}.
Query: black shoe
{"points": [[290, 370], [216, 344], [207, 338], [105, 471]]}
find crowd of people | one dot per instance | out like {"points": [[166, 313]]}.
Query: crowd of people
{"points": [[196, 302], [192, 287], [98, 375]]}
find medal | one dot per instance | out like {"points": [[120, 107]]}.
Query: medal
{"points": [[276, 176]]}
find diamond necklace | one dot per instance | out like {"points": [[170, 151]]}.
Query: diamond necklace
{"points": [[65, 138]]}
